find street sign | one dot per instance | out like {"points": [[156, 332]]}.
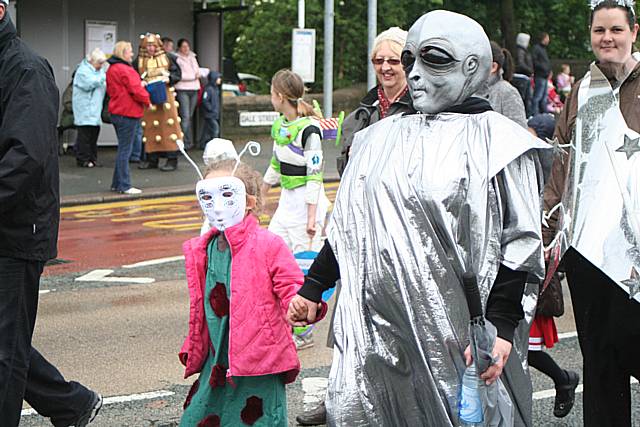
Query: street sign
{"points": [[303, 54], [258, 118]]}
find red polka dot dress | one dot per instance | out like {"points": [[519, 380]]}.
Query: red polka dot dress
{"points": [[215, 400]]}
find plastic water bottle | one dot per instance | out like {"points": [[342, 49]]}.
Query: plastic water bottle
{"points": [[470, 407]]}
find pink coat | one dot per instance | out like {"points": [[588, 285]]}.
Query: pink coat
{"points": [[264, 279]]}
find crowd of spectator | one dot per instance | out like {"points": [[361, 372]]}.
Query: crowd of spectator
{"points": [[113, 87]]}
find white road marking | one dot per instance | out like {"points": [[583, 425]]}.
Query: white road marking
{"points": [[155, 262], [315, 389], [567, 335], [120, 399], [46, 291], [103, 276], [545, 394]]}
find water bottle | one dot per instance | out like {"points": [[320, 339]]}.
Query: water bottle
{"points": [[470, 407]]}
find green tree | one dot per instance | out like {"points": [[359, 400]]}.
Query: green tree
{"points": [[259, 40]]}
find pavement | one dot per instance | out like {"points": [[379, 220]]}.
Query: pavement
{"points": [[80, 186]]}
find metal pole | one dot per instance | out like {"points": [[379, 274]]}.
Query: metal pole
{"points": [[300, 13], [328, 58], [372, 13]]}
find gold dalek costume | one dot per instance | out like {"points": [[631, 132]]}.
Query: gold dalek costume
{"points": [[161, 122]]}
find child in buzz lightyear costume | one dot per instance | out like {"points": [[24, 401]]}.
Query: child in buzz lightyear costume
{"points": [[161, 122], [297, 164]]}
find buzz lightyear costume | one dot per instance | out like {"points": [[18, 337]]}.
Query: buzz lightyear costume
{"points": [[297, 164]]}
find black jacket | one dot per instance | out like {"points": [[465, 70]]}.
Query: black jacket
{"points": [[367, 113], [29, 181], [211, 97], [524, 62], [541, 62]]}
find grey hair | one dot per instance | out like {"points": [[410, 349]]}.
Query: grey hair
{"points": [[96, 56]]}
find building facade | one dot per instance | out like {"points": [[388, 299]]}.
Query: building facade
{"points": [[64, 31]]}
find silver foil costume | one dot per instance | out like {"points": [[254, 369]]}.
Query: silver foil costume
{"points": [[600, 207], [425, 198]]}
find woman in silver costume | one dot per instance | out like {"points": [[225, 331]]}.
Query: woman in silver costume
{"points": [[425, 198], [596, 233]]}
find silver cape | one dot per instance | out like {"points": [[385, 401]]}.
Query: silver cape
{"points": [[600, 207], [419, 204]]}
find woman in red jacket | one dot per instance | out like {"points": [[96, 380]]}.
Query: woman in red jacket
{"points": [[128, 97]]}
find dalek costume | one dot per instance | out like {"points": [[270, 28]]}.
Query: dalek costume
{"points": [[161, 122]]}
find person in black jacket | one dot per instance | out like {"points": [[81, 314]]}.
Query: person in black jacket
{"points": [[524, 71], [29, 217], [541, 70], [211, 109]]}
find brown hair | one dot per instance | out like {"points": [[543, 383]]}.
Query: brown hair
{"points": [[245, 173], [612, 4], [291, 87], [503, 58]]}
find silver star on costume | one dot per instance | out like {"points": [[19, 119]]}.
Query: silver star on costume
{"points": [[630, 147], [633, 283]]}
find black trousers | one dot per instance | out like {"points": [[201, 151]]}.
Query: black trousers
{"points": [[25, 373], [155, 156], [87, 143], [608, 325]]}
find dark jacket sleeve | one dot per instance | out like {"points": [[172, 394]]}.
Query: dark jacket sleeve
{"points": [[175, 73], [504, 306], [523, 63], [207, 100], [25, 139], [554, 188], [322, 275]]}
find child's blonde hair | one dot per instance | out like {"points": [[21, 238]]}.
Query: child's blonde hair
{"points": [[245, 173], [291, 87]]}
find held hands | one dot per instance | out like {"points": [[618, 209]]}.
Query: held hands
{"points": [[302, 311], [501, 351]]}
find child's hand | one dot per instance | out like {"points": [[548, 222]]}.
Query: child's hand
{"points": [[301, 311]]}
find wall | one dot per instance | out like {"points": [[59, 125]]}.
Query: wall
{"points": [[343, 100]]}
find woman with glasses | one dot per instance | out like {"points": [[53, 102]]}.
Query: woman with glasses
{"points": [[389, 97]]}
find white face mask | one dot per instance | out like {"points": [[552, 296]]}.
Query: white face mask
{"points": [[223, 200]]}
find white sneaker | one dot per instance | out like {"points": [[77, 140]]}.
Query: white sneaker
{"points": [[132, 190], [303, 341]]}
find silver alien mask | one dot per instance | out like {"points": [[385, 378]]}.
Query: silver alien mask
{"points": [[447, 58]]}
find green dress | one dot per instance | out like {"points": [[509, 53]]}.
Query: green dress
{"points": [[212, 400]]}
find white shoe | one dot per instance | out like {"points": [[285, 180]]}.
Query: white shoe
{"points": [[303, 341], [132, 190]]}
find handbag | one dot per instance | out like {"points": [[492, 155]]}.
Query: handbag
{"points": [[550, 300], [105, 115]]}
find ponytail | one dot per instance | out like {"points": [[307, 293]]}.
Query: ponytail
{"points": [[306, 110], [507, 65]]}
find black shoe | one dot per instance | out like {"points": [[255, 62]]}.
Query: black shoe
{"points": [[566, 395], [87, 164], [148, 165], [313, 417], [91, 411], [171, 165]]}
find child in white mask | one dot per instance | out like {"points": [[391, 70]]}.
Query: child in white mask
{"points": [[241, 279]]}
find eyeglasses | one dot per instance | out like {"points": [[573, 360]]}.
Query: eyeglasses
{"points": [[390, 61]]}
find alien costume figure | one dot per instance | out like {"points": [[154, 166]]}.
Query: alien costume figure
{"points": [[425, 198]]}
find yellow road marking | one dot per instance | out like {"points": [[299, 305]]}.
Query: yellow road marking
{"points": [[273, 194], [112, 205]]}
